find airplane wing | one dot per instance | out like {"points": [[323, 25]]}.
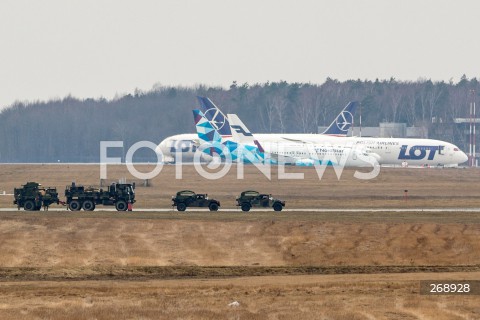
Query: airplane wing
{"points": [[281, 159], [294, 140], [300, 140]]}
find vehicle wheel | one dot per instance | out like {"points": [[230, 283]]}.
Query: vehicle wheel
{"points": [[29, 205], [88, 205], [121, 205], [246, 207], [213, 206], [277, 206], [74, 205], [181, 206]]}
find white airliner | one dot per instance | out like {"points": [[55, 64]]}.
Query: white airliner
{"points": [[418, 152], [387, 151], [184, 144], [303, 154]]}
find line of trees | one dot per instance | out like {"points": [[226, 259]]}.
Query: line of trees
{"points": [[70, 129]]}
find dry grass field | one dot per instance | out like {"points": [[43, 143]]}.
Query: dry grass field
{"points": [[430, 188], [307, 265], [51, 240], [391, 296]]}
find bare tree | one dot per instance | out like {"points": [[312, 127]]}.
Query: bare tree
{"points": [[410, 99]]}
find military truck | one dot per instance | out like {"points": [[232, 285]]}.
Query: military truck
{"points": [[187, 198], [250, 198], [32, 196], [120, 195]]}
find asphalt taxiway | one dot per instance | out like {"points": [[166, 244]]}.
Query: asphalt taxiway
{"points": [[100, 209]]}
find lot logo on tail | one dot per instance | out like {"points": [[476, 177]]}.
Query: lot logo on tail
{"points": [[216, 117], [344, 120]]}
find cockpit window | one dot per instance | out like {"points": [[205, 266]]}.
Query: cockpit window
{"points": [[455, 149]]}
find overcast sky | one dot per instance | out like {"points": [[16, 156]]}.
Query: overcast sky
{"points": [[85, 48]]}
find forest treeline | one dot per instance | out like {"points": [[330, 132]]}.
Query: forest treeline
{"points": [[70, 129]]}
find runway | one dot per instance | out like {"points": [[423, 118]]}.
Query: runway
{"points": [[413, 210]]}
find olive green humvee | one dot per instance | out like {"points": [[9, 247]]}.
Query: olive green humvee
{"points": [[250, 198], [187, 198]]}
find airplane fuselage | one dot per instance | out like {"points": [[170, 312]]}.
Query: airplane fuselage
{"points": [[418, 152], [319, 153], [389, 151]]}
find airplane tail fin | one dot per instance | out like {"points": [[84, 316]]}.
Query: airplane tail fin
{"points": [[216, 117], [205, 131], [216, 145], [241, 134], [343, 122]]}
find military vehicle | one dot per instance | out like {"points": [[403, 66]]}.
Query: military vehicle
{"points": [[252, 198], [32, 196], [187, 198], [121, 195]]}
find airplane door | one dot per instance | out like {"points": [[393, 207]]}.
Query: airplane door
{"points": [[448, 151]]}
